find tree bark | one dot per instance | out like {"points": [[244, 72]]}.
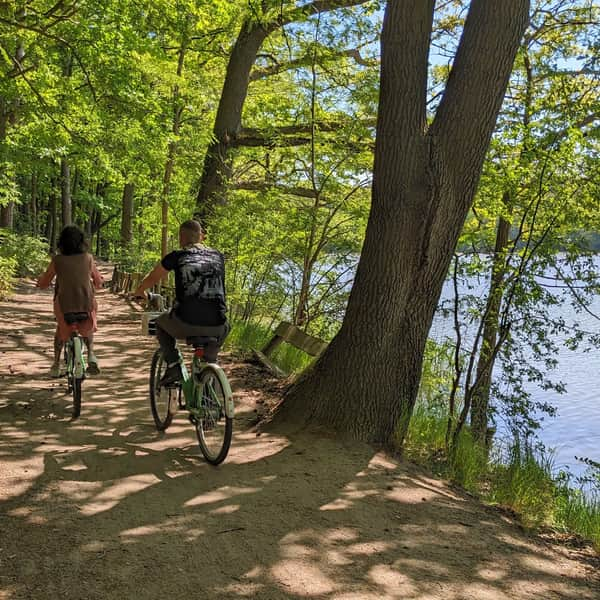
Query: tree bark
{"points": [[127, 215], [172, 150], [34, 205], [7, 214], [485, 363], [53, 222], [366, 382], [65, 191], [228, 120]]}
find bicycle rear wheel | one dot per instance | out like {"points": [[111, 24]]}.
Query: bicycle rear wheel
{"points": [[214, 428], [163, 400]]}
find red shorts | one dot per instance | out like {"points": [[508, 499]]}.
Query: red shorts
{"points": [[85, 328]]}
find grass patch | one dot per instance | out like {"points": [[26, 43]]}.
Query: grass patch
{"points": [[252, 335], [516, 477]]}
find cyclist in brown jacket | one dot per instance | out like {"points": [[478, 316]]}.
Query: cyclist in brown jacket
{"points": [[76, 277]]}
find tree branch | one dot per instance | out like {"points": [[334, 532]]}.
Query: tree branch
{"points": [[314, 8], [308, 59], [263, 186], [475, 89]]}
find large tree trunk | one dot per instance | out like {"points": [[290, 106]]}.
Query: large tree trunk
{"points": [[65, 191], [366, 382], [228, 120], [229, 115], [127, 215]]}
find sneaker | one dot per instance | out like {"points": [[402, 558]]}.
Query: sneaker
{"points": [[172, 375], [55, 371], [93, 368]]}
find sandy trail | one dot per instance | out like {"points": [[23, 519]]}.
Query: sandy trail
{"points": [[105, 507]]}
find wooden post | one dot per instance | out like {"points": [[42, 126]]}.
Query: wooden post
{"points": [[286, 332]]}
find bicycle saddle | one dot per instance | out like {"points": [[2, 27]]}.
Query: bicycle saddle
{"points": [[75, 317], [201, 341]]}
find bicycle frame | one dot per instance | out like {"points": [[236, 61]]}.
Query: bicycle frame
{"points": [[192, 391], [75, 360]]}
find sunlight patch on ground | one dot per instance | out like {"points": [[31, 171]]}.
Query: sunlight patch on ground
{"points": [[493, 573], [263, 445], [223, 493], [225, 510], [29, 514], [426, 567], [414, 495], [298, 576], [178, 524], [17, 476], [117, 491], [394, 583]]}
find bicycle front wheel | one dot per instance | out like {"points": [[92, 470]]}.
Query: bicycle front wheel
{"points": [[163, 400], [214, 428]]}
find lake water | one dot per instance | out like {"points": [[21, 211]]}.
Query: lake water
{"points": [[575, 430]]}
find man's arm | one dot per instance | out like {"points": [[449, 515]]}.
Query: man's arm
{"points": [[158, 273]]}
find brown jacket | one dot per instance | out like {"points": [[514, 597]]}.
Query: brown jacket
{"points": [[74, 288]]}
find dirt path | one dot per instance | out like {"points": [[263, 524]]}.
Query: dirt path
{"points": [[105, 507]]}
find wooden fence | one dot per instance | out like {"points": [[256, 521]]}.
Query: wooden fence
{"points": [[123, 282]]}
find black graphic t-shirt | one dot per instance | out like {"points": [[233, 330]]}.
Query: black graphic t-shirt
{"points": [[199, 285]]}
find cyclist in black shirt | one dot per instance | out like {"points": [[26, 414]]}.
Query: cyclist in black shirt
{"points": [[200, 307]]}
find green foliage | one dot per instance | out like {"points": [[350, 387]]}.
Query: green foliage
{"points": [[518, 478], [579, 513], [7, 271], [526, 484], [253, 336], [29, 254]]}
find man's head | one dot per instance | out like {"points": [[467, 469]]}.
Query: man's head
{"points": [[190, 232]]}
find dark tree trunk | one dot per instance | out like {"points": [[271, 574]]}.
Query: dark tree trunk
{"points": [[98, 233], [485, 365], [366, 382], [7, 215], [88, 225], [76, 216], [53, 222], [65, 191], [127, 215], [34, 205], [228, 121], [172, 151]]}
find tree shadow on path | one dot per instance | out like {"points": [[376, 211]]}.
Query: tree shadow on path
{"points": [[106, 507]]}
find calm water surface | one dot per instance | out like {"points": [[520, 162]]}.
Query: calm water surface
{"points": [[575, 430]]}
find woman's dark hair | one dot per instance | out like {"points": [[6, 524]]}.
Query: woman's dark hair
{"points": [[72, 241]]}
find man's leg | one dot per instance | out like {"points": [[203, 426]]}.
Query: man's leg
{"points": [[166, 331], [220, 332]]}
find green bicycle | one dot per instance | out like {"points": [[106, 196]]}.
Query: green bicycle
{"points": [[204, 392], [74, 360]]}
